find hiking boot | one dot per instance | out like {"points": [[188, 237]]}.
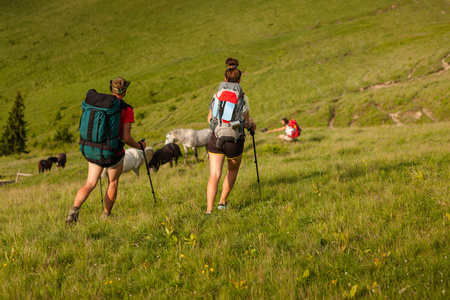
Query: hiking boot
{"points": [[72, 218], [222, 206]]}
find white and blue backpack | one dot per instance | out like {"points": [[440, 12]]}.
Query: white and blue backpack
{"points": [[228, 108]]}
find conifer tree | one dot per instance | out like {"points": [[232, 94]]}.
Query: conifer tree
{"points": [[15, 134]]}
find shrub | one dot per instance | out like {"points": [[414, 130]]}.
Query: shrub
{"points": [[63, 135]]}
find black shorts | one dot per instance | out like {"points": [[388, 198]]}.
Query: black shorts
{"points": [[230, 149]]}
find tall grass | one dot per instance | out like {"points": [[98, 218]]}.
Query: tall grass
{"points": [[344, 213]]}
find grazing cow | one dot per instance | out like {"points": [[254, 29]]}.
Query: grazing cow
{"points": [[62, 159], [53, 159], [46, 164], [133, 160], [166, 154], [190, 138]]}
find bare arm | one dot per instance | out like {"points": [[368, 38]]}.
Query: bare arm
{"points": [[209, 116], [128, 139], [278, 129]]}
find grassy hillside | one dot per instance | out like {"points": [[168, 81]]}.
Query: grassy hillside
{"points": [[316, 61], [358, 208], [363, 210]]}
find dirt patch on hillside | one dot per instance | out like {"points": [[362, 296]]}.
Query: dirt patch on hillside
{"points": [[445, 64], [445, 67], [382, 11], [429, 114], [332, 120], [400, 117]]}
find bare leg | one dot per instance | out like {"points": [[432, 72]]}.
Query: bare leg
{"points": [[215, 165], [113, 183], [230, 179], [94, 173], [285, 138]]}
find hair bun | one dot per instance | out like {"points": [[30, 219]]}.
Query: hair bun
{"points": [[232, 62]]}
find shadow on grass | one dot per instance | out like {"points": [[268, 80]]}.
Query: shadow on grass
{"points": [[282, 179], [348, 173]]}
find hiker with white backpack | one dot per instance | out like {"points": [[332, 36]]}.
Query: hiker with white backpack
{"points": [[228, 116], [105, 126], [291, 128]]}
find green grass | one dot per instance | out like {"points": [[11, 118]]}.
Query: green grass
{"points": [[360, 210], [341, 208]]}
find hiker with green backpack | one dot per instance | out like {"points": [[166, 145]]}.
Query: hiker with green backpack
{"points": [[228, 116], [105, 126]]}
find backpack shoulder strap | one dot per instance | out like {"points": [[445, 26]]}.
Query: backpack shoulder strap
{"points": [[124, 105]]}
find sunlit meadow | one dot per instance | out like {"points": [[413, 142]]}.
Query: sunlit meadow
{"points": [[344, 213], [358, 208]]}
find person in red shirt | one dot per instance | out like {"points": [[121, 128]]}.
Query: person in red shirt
{"points": [[118, 87]]}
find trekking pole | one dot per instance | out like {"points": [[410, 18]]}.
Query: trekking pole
{"points": [[148, 170], [252, 133], [101, 193]]}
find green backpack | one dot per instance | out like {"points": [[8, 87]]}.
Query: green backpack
{"points": [[100, 142]]}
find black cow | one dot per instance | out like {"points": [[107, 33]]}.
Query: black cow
{"points": [[62, 159], [53, 159], [167, 154], [46, 164]]}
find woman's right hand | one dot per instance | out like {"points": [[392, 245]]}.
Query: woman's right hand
{"points": [[142, 144], [252, 126]]}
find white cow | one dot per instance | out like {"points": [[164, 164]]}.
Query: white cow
{"points": [[133, 160], [190, 138]]}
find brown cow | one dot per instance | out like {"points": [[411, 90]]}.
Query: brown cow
{"points": [[46, 164], [62, 159]]}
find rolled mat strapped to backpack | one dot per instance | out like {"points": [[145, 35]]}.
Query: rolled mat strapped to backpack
{"points": [[100, 142]]}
